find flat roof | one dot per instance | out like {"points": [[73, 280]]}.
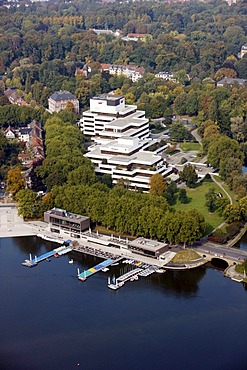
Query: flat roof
{"points": [[63, 214], [107, 97], [147, 244]]}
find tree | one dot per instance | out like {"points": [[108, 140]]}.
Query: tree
{"points": [[178, 132], [182, 196], [211, 198], [157, 185], [189, 175], [29, 204], [14, 181]]}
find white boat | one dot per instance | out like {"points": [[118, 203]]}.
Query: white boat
{"points": [[116, 286], [71, 261], [160, 271], [105, 269], [133, 278]]}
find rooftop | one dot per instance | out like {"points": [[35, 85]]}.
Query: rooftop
{"points": [[63, 214], [107, 97], [62, 95]]}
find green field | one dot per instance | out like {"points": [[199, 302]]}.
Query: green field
{"points": [[186, 147], [197, 200], [230, 192]]}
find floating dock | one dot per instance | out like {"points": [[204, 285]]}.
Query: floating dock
{"points": [[85, 274], [50, 238], [58, 251]]}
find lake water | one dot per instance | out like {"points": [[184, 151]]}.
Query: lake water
{"points": [[242, 243], [178, 320]]}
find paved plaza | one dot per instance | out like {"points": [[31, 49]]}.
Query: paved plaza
{"points": [[11, 224]]}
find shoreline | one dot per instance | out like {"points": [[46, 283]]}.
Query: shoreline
{"points": [[12, 225]]}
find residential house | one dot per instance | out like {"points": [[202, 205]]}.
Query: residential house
{"points": [[58, 101], [130, 71], [137, 36], [84, 71], [168, 76], [15, 97], [243, 51], [9, 133], [231, 81], [24, 134]]}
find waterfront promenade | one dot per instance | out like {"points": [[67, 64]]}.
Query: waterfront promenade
{"points": [[12, 225]]}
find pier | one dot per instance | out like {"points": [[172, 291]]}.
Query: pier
{"points": [[85, 274], [57, 251]]}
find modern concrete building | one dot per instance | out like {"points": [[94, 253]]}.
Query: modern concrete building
{"points": [[110, 118], [65, 223], [58, 101], [128, 158]]}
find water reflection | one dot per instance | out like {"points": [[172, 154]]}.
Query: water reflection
{"points": [[183, 283], [242, 243], [32, 244]]}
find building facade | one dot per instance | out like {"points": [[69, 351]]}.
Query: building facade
{"points": [[66, 223], [110, 118], [58, 101], [128, 159]]}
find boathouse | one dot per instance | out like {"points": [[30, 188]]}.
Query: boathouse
{"points": [[66, 223]]}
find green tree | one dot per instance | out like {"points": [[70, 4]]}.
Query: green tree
{"points": [[211, 200], [189, 175], [182, 196], [29, 204]]}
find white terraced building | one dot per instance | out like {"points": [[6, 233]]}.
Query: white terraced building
{"points": [[127, 158], [110, 118]]}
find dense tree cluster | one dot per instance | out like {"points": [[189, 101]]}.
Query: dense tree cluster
{"points": [[64, 160], [8, 155], [42, 45], [131, 213]]}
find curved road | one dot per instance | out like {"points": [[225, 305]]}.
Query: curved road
{"points": [[222, 188]]}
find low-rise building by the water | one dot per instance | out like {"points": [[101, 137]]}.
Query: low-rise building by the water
{"points": [[66, 223]]}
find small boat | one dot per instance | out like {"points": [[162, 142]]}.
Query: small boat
{"points": [[160, 271], [133, 278], [114, 284], [105, 269], [115, 264], [71, 261], [56, 255], [48, 259]]}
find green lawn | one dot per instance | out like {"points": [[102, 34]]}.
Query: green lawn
{"points": [[230, 192], [186, 147], [197, 200]]}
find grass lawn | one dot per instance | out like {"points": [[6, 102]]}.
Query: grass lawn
{"points": [[185, 256], [186, 147], [230, 192], [197, 200]]}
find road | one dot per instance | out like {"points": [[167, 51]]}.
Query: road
{"points": [[221, 251]]}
